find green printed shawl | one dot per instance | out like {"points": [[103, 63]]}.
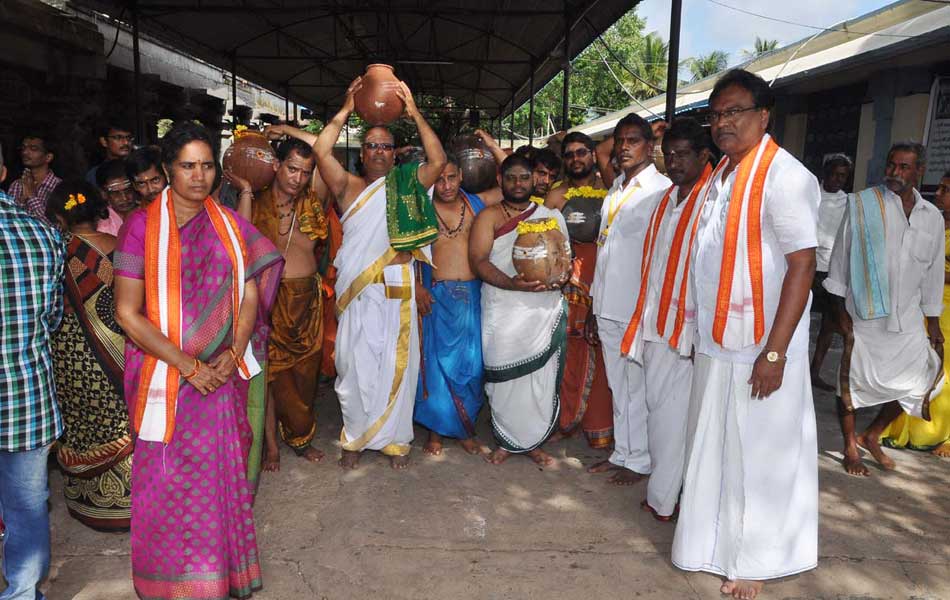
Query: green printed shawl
{"points": [[410, 216]]}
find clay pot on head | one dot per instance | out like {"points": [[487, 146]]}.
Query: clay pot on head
{"points": [[377, 102], [251, 157], [479, 171]]}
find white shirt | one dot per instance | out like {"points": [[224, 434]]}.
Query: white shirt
{"points": [[661, 254], [830, 212], [914, 263], [617, 274], [789, 224]]}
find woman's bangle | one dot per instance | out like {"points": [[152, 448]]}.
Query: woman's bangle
{"points": [[193, 371], [234, 355], [246, 191]]}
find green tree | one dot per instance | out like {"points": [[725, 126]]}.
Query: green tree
{"points": [[762, 46], [704, 65]]}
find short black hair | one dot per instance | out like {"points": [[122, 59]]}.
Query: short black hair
{"points": [[452, 158], [113, 124], [635, 120], [834, 161], [514, 160], [111, 169], [687, 129], [547, 157], [180, 135], [143, 159], [577, 137], [289, 145], [907, 146], [93, 209], [762, 95], [41, 135]]}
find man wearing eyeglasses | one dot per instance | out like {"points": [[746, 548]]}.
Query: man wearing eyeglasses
{"points": [[33, 188], [116, 140], [625, 215], [377, 348], [119, 194], [586, 403], [144, 169], [749, 506]]}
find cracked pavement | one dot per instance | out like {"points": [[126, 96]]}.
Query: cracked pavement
{"points": [[458, 527]]}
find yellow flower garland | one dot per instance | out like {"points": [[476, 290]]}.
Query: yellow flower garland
{"points": [[73, 200], [585, 191], [537, 200], [537, 226]]}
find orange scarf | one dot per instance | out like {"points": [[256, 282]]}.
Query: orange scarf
{"points": [[692, 208], [745, 201]]}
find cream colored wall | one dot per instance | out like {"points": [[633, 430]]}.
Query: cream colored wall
{"points": [[910, 115], [793, 138], [865, 146]]}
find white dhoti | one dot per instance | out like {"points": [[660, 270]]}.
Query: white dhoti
{"points": [[628, 387], [377, 344], [524, 338], [668, 376], [749, 508]]}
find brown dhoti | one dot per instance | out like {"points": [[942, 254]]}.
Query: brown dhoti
{"points": [[294, 355]]}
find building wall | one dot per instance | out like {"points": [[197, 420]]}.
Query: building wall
{"points": [[793, 135], [910, 115], [865, 146]]}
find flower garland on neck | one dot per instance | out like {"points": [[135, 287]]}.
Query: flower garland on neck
{"points": [[537, 226], [585, 191]]}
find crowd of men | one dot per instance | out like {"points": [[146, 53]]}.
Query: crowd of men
{"points": [[678, 342]]}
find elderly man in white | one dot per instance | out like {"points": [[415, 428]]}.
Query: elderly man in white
{"points": [[886, 272]]}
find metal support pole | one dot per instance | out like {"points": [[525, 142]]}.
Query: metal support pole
{"points": [[672, 64], [511, 138], [137, 67], [566, 91], [531, 107], [233, 92], [296, 113], [286, 104]]}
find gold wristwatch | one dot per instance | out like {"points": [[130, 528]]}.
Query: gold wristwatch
{"points": [[773, 357]]}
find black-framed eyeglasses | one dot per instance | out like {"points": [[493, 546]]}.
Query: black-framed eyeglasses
{"points": [[714, 117], [385, 147], [579, 153], [121, 137]]}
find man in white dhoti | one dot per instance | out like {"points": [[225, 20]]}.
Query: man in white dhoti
{"points": [[624, 217], [749, 508], [377, 344], [524, 323], [887, 276], [660, 334]]}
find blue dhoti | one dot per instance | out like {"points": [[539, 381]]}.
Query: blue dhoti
{"points": [[450, 391]]}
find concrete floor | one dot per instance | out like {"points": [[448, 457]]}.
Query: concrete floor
{"points": [[457, 527]]}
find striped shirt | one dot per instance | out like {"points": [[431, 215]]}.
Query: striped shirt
{"points": [[32, 259], [35, 205]]}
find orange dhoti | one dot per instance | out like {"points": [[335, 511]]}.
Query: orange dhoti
{"points": [[585, 395], [294, 356]]}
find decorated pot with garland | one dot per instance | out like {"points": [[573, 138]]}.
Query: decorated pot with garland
{"points": [[581, 210], [541, 252], [251, 157]]}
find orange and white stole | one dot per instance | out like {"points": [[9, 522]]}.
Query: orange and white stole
{"points": [[739, 319], [676, 271], [157, 394]]}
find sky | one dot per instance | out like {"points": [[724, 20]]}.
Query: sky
{"points": [[707, 25]]}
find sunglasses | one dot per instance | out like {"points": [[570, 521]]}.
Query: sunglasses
{"points": [[372, 146], [579, 153]]}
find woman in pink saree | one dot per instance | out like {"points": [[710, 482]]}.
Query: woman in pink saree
{"points": [[194, 286]]}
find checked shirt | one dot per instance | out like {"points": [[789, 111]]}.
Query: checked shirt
{"points": [[32, 259]]}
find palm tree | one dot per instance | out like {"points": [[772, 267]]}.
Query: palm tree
{"points": [[704, 65], [652, 56], [761, 47]]}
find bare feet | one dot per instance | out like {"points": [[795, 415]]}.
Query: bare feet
{"points": [[661, 518], [853, 463], [433, 446], [821, 384], [873, 445], [742, 589], [499, 456], [312, 454], [349, 460], [541, 458], [625, 477], [602, 467], [943, 450], [474, 447], [271, 462], [399, 463]]}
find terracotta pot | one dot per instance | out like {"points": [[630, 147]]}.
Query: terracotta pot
{"points": [[479, 171], [544, 257], [377, 102], [251, 157]]}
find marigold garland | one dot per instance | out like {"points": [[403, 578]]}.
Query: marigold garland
{"points": [[536, 200], [585, 191], [242, 130], [73, 199], [537, 226]]}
